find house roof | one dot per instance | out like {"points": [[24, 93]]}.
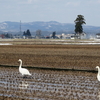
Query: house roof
{"points": [[98, 34]]}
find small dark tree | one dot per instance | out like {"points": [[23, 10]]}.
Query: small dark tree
{"points": [[79, 22], [24, 33], [28, 32], [54, 35]]}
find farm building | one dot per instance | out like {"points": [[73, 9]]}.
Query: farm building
{"points": [[98, 35]]}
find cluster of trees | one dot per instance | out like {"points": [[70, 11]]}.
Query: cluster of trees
{"points": [[27, 34]]}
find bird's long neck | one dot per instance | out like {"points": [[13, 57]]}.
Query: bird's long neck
{"points": [[99, 71], [20, 64]]}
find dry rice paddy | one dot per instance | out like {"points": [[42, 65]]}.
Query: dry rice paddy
{"points": [[49, 84]]}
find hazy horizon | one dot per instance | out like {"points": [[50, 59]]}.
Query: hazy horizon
{"points": [[62, 11]]}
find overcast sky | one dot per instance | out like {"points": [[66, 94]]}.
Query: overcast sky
{"points": [[64, 11]]}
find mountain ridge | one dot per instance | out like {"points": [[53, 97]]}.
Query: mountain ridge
{"points": [[8, 26]]}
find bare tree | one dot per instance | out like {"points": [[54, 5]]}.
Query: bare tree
{"points": [[38, 34]]}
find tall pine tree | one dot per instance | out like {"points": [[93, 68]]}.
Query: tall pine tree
{"points": [[78, 25]]}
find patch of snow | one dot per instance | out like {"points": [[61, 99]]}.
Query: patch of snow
{"points": [[5, 23], [5, 44], [82, 43]]}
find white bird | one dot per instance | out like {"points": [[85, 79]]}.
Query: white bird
{"points": [[98, 75], [23, 71]]}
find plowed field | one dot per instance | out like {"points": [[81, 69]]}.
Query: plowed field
{"points": [[52, 56]]}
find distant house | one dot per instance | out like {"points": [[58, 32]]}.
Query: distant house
{"points": [[2, 36], [80, 36], [66, 36], [98, 35]]}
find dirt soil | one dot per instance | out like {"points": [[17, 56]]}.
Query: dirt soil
{"points": [[52, 56]]}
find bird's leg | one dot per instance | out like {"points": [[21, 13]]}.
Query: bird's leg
{"points": [[24, 76]]}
